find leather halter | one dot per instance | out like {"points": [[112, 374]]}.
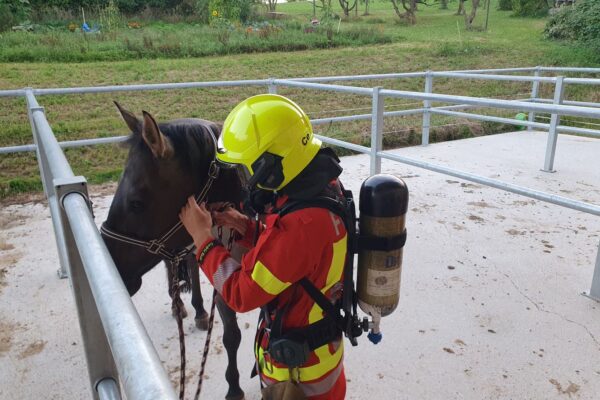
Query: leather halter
{"points": [[158, 246]]}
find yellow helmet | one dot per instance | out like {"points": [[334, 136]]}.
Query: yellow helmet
{"points": [[271, 136]]}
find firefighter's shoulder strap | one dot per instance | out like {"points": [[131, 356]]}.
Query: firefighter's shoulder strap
{"points": [[345, 209]]}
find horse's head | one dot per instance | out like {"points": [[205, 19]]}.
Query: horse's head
{"points": [[166, 164]]}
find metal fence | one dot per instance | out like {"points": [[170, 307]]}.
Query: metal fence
{"points": [[117, 347]]}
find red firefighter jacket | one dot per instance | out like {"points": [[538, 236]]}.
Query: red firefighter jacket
{"points": [[311, 243]]}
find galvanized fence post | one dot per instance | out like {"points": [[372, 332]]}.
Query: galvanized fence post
{"points": [[376, 130], [594, 293], [272, 86], [554, 121], [45, 175], [98, 354], [426, 107], [535, 90]]}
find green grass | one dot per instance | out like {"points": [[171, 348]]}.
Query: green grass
{"points": [[434, 43]]}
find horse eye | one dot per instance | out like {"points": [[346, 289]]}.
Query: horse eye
{"points": [[136, 205]]}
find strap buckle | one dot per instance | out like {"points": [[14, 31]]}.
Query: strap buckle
{"points": [[155, 247], [213, 170]]}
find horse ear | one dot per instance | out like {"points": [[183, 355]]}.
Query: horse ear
{"points": [[133, 122], [156, 141]]}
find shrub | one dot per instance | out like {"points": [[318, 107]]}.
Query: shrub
{"points": [[579, 23], [7, 19], [505, 5], [530, 8], [13, 12]]}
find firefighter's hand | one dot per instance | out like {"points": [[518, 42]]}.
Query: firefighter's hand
{"points": [[197, 221], [232, 219]]}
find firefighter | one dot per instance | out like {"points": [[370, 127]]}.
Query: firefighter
{"points": [[297, 346]]}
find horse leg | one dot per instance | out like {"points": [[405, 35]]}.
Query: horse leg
{"points": [[201, 317], [231, 340], [180, 304]]}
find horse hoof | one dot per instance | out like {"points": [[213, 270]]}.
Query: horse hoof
{"points": [[239, 396], [202, 322], [184, 313]]}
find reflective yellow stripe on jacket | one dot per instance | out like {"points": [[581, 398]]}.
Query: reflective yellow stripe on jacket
{"points": [[327, 360]]}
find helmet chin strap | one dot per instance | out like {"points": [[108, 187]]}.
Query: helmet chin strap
{"points": [[268, 173]]}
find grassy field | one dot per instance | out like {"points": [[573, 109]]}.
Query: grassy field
{"points": [[437, 42]]}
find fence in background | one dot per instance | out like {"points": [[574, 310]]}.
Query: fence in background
{"points": [[117, 345]]}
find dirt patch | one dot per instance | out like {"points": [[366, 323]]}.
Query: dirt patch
{"points": [[7, 332], [106, 189], [5, 246], [470, 185], [476, 218], [23, 198], [524, 202], [571, 389], [481, 204], [515, 232], [12, 219], [32, 349]]}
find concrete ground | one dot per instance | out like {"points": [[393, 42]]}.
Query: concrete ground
{"points": [[490, 305]]}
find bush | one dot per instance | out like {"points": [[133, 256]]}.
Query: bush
{"points": [[13, 12], [530, 8], [580, 23], [505, 5], [7, 19]]}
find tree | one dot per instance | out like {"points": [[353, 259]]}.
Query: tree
{"points": [[443, 4], [471, 16], [410, 8], [461, 7], [347, 6]]}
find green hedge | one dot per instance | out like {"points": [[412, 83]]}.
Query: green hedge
{"points": [[531, 8], [580, 23]]}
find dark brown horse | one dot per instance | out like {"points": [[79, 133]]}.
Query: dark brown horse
{"points": [[166, 164]]}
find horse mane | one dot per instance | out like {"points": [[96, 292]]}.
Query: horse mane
{"points": [[190, 139]]}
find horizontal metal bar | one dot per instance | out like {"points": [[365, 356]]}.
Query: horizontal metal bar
{"points": [[490, 70], [579, 131], [12, 93], [66, 144], [496, 103], [108, 390], [17, 149], [57, 162], [509, 187], [359, 77], [582, 81], [489, 77], [152, 86], [321, 86], [140, 369], [359, 117], [571, 69], [490, 118], [511, 121], [569, 102], [346, 145]]}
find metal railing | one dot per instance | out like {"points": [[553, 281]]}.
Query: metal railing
{"points": [[116, 345]]}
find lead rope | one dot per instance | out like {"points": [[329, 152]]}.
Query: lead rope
{"points": [[211, 319], [177, 304]]}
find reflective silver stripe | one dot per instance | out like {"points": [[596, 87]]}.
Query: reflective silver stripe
{"points": [[317, 388], [228, 267], [325, 385]]}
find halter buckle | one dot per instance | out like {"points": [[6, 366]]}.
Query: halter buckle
{"points": [[155, 247], [213, 170]]}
